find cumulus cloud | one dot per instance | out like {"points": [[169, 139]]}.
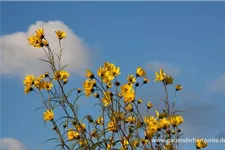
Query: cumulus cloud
{"points": [[167, 67], [18, 58], [218, 85], [11, 144]]}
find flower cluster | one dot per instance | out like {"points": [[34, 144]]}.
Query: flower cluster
{"points": [[121, 123]]}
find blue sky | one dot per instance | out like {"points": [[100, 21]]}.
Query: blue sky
{"points": [[187, 38]]}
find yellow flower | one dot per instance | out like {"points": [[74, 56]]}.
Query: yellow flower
{"points": [[107, 99], [72, 135], [139, 101], [115, 71], [200, 143], [117, 116], [163, 123], [169, 146], [60, 34], [157, 114], [102, 72], [40, 33], [128, 93], [45, 43], [29, 80], [129, 107], [80, 127], [48, 115], [130, 119], [39, 83], [83, 142], [112, 126], [160, 76], [149, 105], [125, 142], [146, 80], [89, 74], [179, 87], [89, 84], [48, 85], [126, 88], [99, 120], [27, 89], [135, 143], [61, 75], [168, 80], [140, 72], [144, 141], [94, 134], [33, 40], [131, 79], [109, 146], [129, 96], [176, 120]]}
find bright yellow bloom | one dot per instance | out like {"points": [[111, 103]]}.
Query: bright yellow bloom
{"points": [[131, 79], [168, 80], [169, 146], [140, 72], [34, 41], [135, 143], [83, 142], [107, 99], [27, 89], [200, 143], [45, 43], [157, 114], [39, 83], [144, 141], [72, 135], [149, 105], [126, 88], [164, 123], [99, 120], [128, 92], [179, 87], [149, 120], [102, 72], [115, 71], [129, 107], [94, 134], [109, 146], [80, 127], [125, 142], [176, 120], [118, 116], [40, 33], [48, 115], [29, 80], [88, 87], [139, 101], [160, 76], [130, 119], [60, 34], [61, 75], [146, 80], [47, 85], [112, 126], [129, 96], [89, 74]]}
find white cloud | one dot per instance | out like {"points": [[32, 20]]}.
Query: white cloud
{"points": [[18, 58], [11, 144], [169, 68], [218, 85]]}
